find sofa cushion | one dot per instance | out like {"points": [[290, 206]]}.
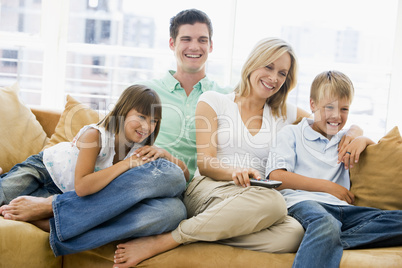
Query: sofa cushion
{"points": [[24, 245], [20, 132], [74, 117], [377, 178]]}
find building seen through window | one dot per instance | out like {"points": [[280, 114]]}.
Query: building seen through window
{"points": [[102, 46]]}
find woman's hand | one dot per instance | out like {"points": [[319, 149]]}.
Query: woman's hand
{"points": [[241, 176], [150, 153]]}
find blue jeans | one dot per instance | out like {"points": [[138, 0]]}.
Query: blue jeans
{"points": [[27, 178], [331, 228], [143, 201]]}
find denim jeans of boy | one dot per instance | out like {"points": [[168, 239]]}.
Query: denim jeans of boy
{"points": [[27, 178], [143, 201], [331, 228]]}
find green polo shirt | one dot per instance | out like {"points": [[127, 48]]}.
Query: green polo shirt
{"points": [[177, 132]]}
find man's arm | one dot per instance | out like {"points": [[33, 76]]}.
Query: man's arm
{"points": [[353, 132], [352, 151]]}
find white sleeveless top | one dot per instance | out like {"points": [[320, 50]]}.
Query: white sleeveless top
{"points": [[235, 145], [60, 160]]}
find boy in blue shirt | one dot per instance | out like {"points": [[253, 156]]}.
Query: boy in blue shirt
{"points": [[316, 185]]}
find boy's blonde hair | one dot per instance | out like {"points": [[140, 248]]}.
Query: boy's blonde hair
{"points": [[333, 84], [141, 98], [264, 53]]}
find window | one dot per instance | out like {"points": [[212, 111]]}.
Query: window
{"points": [[96, 48], [20, 16], [10, 58], [325, 35]]}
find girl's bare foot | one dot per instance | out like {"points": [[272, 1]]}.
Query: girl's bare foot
{"points": [[1, 170], [135, 251], [28, 208]]}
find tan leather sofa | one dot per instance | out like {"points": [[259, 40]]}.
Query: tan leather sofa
{"points": [[24, 245]]}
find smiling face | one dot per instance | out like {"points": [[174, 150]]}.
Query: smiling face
{"points": [[330, 115], [191, 47], [137, 127], [266, 81]]}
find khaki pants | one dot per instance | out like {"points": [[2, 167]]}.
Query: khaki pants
{"points": [[254, 218]]}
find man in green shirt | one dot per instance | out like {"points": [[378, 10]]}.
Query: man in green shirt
{"points": [[190, 39], [179, 91]]}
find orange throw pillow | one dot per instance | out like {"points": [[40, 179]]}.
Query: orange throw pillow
{"points": [[74, 117]]}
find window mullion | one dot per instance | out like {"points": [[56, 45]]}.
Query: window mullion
{"points": [[54, 35]]}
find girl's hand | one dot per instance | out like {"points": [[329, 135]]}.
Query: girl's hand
{"points": [[150, 153], [241, 176], [340, 192], [351, 153], [134, 161]]}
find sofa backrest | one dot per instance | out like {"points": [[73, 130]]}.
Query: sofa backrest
{"points": [[48, 119]]}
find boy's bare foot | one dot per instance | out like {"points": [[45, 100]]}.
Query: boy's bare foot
{"points": [[28, 208], [1, 170], [135, 251]]}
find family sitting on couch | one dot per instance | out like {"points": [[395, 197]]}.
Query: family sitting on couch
{"points": [[137, 160]]}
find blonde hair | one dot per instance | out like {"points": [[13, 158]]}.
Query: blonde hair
{"points": [[141, 98], [264, 53], [333, 84]]}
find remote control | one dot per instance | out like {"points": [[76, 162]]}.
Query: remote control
{"points": [[265, 183]]}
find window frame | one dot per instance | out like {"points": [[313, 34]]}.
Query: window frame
{"points": [[53, 41]]}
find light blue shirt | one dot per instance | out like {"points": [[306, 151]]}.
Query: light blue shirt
{"points": [[302, 150], [177, 132]]}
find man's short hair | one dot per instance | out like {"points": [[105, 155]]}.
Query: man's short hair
{"points": [[189, 16]]}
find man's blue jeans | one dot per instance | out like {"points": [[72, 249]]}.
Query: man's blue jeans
{"points": [[330, 229], [143, 201]]}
